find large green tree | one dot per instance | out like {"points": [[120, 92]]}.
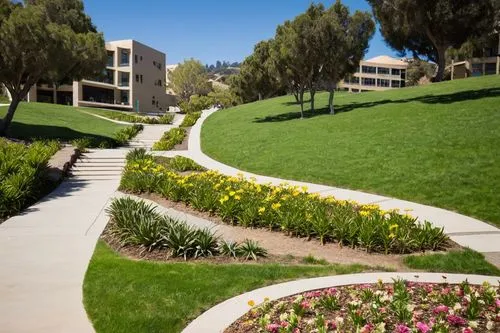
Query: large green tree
{"points": [[188, 79], [429, 27], [53, 40], [344, 39]]}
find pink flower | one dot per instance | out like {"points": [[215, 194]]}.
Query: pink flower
{"points": [[305, 304], [441, 309], [468, 330], [445, 291], [284, 324], [331, 291], [402, 329], [332, 325], [423, 327], [497, 303], [316, 293], [273, 328], [367, 328], [456, 320]]}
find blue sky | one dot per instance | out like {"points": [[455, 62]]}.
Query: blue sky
{"points": [[207, 30]]}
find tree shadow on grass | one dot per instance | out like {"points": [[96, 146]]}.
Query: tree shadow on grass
{"points": [[456, 97], [28, 131]]}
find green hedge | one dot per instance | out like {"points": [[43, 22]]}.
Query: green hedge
{"points": [[23, 174], [190, 119], [170, 138]]}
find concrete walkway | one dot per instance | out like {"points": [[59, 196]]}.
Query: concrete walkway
{"points": [[44, 252], [464, 230]]}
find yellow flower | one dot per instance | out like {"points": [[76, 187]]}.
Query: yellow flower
{"points": [[295, 193], [304, 189], [276, 206], [237, 197], [393, 227], [251, 303], [266, 299], [392, 235], [364, 213], [232, 193], [216, 186], [262, 210], [226, 198]]}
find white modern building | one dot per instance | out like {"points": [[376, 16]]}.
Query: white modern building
{"points": [[134, 80], [379, 73]]}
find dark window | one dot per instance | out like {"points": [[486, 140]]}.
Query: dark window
{"points": [[111, 59], [367, 81], [141, 58], [403, 74], [490, 68], [141, 78], [396, 83], [156, 103], [136, 58], [124, 96], [153, 102], [396, 71], [124, 79], [369, 69], [159, 83], [383, 83], [124, 58], [384, 70], [136, 77]]}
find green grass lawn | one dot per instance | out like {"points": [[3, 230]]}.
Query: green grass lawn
{"points": [[4, 100], [438, 144], [52, 121], [122, 295], [464, 261]]}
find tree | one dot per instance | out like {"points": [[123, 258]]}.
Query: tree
{"points": [[344, 39], [190, 78], [45, 39], [417, 69], [429, 27]]}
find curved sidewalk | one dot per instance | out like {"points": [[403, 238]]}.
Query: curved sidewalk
{"points": [[464, 230], [218, 318]]}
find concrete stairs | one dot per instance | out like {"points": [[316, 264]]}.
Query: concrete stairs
{"points": [[104, 164]]}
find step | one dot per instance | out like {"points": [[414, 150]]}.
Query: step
{"points": [[96, 172], [92, 169], [100, 165], [101, 160]]}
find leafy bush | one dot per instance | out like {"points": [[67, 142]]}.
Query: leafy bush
{"points": [[128, 133], [190, 119], [167, 118], [170, 138], [182, 164], [120, 139], [251, 249], [23, 174], [136, 223], [288, 209], [229, 248], [136, 154]]}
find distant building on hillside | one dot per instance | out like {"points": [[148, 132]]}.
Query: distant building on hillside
{"points": [[379, 73], [134, 80], [485, 62]]}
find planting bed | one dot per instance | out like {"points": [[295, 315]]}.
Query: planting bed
{"points": [[401, 306]]}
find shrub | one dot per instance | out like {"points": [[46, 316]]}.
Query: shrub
{"points": [[136, 223], [167, 118], [170, 138], [289, 209], [182, 164], [136, 154], [23, 174], [229, 248], [251, 249], [190, 119]]}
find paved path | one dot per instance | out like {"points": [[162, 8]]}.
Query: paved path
{"points": [[4, 104], [44, 252], [464, 230]]}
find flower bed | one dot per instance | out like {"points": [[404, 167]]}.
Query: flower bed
{"points": [[190, 119], [286, 208], [401, 307], [170, 138]]}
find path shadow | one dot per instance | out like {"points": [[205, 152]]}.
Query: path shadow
{"points": [[28, 131], [456, 97]]}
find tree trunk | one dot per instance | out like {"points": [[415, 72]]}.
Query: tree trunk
{"points": [[441, 64], [5, 122], [313, 93], [330, 101], [301, 102], [260, 96], [296, 95]]}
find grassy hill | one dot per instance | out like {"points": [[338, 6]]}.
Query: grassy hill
{"points": [[437, 144], [51, 121]]}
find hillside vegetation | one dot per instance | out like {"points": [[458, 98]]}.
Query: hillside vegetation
{"points": [[437, 144]]}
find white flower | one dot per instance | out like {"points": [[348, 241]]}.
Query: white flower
{"points": [[410, 307], [339, 320], [380, 328], [457, 306], [284, 316], [374, 305], [490, 325], [473, 324]]}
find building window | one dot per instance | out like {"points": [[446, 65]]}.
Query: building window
{"points": [[366, 81], [403, 74], [124, 57], [141, 78], [403, 83], [153, 101], [383, 83], [124, 97], [124, 80], [111, 59], [396, 71], [369, 69], [136, 58], [141, 58], [395, 83], [490, 68], [136, 77], [384, 70]]}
